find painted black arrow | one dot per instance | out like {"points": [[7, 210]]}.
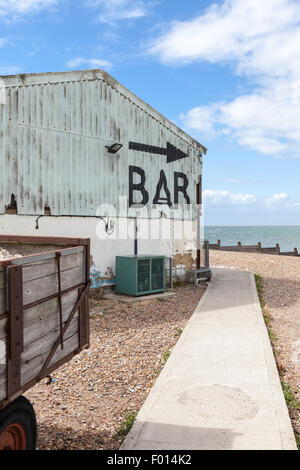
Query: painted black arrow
{"points": [[173, 153]]}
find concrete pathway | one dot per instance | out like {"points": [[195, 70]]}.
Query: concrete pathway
{"points": [[220, 388]]}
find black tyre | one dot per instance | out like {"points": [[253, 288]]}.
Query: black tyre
{"points": [[18, 428]]}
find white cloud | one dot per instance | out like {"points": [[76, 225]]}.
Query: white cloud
{"points": [[259, 40], [213, 196], [222, 199], [114, 10], [267, 120], [282, 201], [202, 119], [277, 199], [89, 63], [225, 197], [243, 31], [3, 42], [14, 9], [242, 199]]}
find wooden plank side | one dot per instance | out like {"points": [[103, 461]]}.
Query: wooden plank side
{"points": [[34, 240], [3, 328], [2, 279], [3, 386], [41, 322], [3, 337], [45, 343], [40, 278], [15, 333], [3, 340], [39, 332], [84, 320], [40, 268], [41, 319], [71, 345], [3, 369], [31, 370], [27, 249], [38, 289], [44, 268], [2, 302], [2, 291], [2, 360]]}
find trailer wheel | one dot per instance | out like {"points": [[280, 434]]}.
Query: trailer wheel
{"points": [[18, 427]]}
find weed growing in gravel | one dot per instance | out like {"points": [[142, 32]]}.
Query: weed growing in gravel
{"points": [[127, 424], [289, 396], [166, 356], [266, 314], [293, 406], [179, 332], [292, 403], [259, 286], [156, 372]]}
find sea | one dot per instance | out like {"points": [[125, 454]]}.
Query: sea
{"points": [[288, 237]]}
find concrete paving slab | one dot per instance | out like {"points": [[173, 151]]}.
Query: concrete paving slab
{"points": [[220, 387]]}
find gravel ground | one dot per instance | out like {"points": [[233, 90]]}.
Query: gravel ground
{"points": [[92, 394], [281, 294]]}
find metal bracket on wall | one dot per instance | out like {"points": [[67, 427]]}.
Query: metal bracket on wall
{"points": [[109, 224]]}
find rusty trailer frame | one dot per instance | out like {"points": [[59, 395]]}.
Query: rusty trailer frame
{"points": [[15, 309]]}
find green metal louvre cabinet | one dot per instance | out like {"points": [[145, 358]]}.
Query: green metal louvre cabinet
{"points": [[140, 275]]}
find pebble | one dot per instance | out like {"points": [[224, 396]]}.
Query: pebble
{"points": [[281, 294], [97, 388]]}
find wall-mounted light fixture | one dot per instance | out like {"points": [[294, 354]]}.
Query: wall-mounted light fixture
{"points": [[114, 148]]}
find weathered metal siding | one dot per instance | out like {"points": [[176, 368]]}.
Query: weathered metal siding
{"points": [[54, 129]]}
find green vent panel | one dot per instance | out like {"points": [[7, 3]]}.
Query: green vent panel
{"points": [[140, 275], [158, 273], [143, 275]]}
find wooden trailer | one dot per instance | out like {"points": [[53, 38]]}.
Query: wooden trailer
{"points": [[44, 322]]}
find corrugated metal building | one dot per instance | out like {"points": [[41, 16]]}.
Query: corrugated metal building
{"points": [[55, 134]]}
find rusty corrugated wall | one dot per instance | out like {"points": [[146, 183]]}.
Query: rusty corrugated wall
{"points": [[53, 133]]}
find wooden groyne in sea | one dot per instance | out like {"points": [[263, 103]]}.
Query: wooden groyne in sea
{"points": [[253, 249]]}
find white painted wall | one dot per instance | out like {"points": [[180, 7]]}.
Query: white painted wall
{"points": [[156, 236]]}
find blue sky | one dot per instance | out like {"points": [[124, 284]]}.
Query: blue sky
{"points": [[227, 72]]}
